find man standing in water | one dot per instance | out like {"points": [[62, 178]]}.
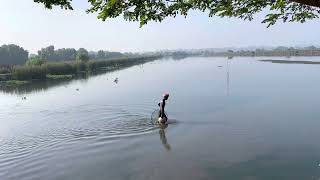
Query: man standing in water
{"points": [[162, 116]]}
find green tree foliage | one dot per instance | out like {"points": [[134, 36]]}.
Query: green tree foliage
{"points": [[13, 55], [50, 54], [144, 11], [66, 4], [65, 54], [93, 55], [35, 61], [47, 53], [109, 54], [102, 55], [82, 55]]}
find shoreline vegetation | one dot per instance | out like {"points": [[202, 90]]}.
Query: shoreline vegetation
{"points": [[19, 68], [20, 75], [280, 51], [289, 62]]}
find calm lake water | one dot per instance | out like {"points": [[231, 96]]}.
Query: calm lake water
{"points": [[234, 119]]}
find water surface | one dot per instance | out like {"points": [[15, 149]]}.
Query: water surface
{"points": [[235, 119]]}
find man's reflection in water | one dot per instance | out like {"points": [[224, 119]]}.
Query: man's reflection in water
{"points": [[163, 137]]}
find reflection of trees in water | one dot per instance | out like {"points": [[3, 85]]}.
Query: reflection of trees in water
{"points": [[179, 57], [40, 85], [163, 137], [36, 86], [175, 58]]}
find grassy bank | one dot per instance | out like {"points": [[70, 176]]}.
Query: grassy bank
{"points": [[68, 70], [59, 77], [13, 83]]}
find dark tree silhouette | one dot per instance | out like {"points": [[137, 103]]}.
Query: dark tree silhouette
{"points": [[13, 55]]}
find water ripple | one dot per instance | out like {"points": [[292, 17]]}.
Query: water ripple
{"points": [[48, 129]]}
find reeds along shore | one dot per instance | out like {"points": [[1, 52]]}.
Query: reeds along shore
{"points": [[46, 70]]}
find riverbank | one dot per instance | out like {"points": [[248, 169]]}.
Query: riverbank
{"points": [[20, 75], [290, 61]]}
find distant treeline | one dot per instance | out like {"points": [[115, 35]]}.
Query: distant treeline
{"points": [[69, 54], [279, 51], [15, 55], [12, 54]]}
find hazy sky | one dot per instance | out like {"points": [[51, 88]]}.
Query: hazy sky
{"points": [[30, 25]]}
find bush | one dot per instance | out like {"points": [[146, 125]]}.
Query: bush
{"points": [[95, 65], [60, 68], [35, 62], [79, 66], [5, 69], [83, 57], [36, 70], [29, 72]]}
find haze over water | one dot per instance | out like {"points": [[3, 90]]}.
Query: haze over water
{"points": [[234, 119]]}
